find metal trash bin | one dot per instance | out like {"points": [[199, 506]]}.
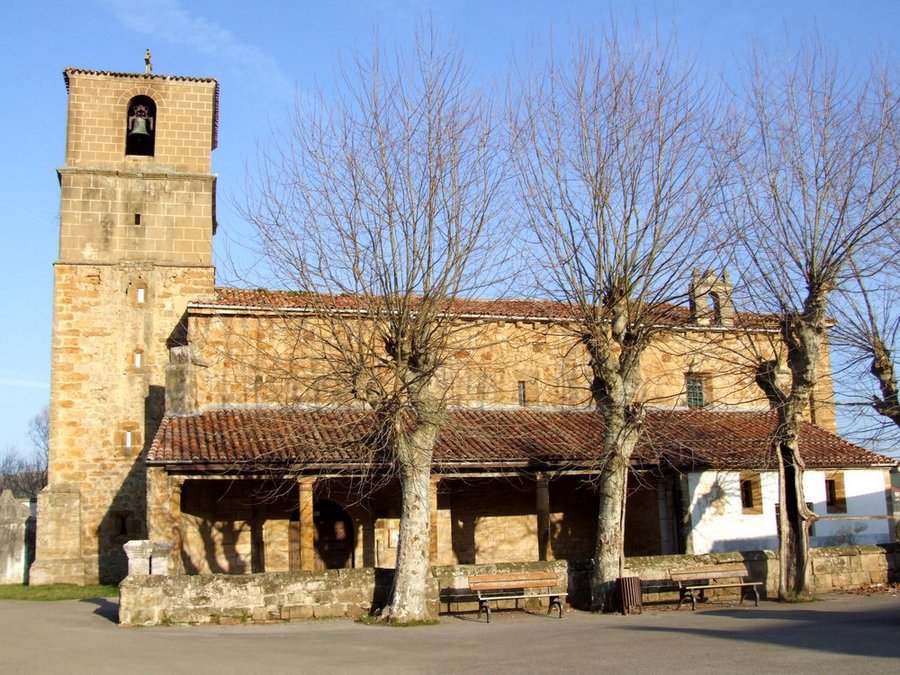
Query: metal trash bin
{"points": [[628, 591]]}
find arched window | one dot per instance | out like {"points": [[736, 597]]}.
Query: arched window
{"points": [[140, 127], [715, 307]]}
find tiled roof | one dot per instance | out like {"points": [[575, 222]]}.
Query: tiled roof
{"points": [[235, 439], [518, 309]]}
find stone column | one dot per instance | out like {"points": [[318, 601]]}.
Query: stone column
{"points": [[542, 494], [307, 526], [138, 552], [433, 499]]}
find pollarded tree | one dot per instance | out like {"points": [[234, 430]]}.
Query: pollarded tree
{"points": [[381, 206], [817, 180], [867, 315], [612, 161]]}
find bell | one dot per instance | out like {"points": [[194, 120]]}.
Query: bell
{"points": [[139, 127]]}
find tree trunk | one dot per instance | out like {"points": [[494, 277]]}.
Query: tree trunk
{"points": [[610, 551], [622, 432], [795, 520], [408, 593]]}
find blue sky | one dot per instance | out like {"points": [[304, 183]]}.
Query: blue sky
{"points": [[264, 53]]}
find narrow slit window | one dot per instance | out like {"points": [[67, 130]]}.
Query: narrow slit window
{"points": [[138, 359]]}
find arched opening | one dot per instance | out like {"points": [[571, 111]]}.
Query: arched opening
{"points": [[334, 535], [140, 127], [715, 307]]}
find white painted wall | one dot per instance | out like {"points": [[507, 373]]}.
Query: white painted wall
{"points": [[718, 523]]}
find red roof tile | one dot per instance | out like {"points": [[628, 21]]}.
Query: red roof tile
{"points": [[247, 438], [517, 309]]}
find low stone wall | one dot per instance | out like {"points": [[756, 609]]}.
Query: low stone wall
{"points": [[833, 569], [147, 600], [150, 600]]}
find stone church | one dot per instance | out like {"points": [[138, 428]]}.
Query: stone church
{"points": [[176, 416]]}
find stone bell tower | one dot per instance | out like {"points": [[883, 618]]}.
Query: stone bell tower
{"points": [[137, 219]]}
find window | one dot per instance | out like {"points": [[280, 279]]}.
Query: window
{"points": [[835, 497], [138, 359], [695, 386], [139, 292], [140, 127], [751, 492]]}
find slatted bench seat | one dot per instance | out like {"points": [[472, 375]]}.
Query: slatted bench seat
{"points": [[710, 577], [516, 586]]}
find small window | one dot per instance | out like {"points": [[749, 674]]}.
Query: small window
{"points": [[137, 218], [138, 359], [140, 127], [695, 386], [139, 292], [835, 497], [751, 492]]}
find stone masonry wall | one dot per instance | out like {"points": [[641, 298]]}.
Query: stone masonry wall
{"points": [[258, 358], [224, 598]]}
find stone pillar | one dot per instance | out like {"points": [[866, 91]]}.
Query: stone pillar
{"points": [[433, 500], [164, 512], [542, 494], [138, 552], [59, 556], [14, 555], [159, 558], [307, 526]]}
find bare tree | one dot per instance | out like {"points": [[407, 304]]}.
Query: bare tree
{"points": [[26, 475], [817, 179], [867, 331], [381, 205], [612, 162]]}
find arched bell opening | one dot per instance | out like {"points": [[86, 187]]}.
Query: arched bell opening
{"points": [[140, 127]]}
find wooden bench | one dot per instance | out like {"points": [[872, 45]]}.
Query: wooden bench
{"points": [[516, 586], [711, 577]]}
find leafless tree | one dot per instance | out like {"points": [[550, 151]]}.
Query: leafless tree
{"points": [[611, 153], [382, 205], [817, 174], [866, 332], [26, 475]]}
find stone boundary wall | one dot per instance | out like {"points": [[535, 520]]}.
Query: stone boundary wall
{"points": [[832, 569], [152, 600], [147, 600]]}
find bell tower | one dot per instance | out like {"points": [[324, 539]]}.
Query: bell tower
{"points": [[137, 219]]}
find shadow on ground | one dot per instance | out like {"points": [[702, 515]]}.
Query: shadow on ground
{"points": [[108, 609]]}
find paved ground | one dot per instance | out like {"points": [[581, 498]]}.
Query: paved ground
{"points": [[841, 634]]}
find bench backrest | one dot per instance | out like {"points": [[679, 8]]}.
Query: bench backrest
{"points": [[494, 582], [722, 571]]}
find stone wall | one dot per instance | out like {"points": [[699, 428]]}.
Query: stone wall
{"points": [[255, 357], [227, 598], [16, 538], [833, 569], [146, 600]]}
